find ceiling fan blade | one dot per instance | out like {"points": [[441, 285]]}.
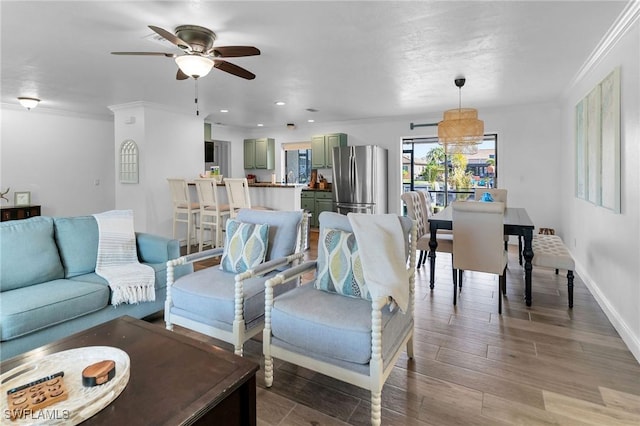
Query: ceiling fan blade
{"points": [[168, 55], [181, 76], [172, 38], [234, 69], [235, 51]]}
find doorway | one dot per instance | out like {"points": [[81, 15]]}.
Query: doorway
{"points": [[217, 153]]}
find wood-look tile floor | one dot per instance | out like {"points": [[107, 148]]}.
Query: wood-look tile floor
{"points": [[546, 364]]}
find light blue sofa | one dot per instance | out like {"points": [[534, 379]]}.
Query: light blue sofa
{"points": [[48, 285]]}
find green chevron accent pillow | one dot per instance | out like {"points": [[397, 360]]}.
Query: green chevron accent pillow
{"points": [[339, 265], [245, 246]]}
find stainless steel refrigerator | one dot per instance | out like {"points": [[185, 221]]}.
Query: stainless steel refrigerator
{"points": [[360, 179]]}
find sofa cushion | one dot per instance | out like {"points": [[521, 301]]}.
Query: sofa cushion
{"points": [[245, 246], [299, 318], [339, 265], [28, 253], [283, 229], [160, 270], [77, 239], [25, 310]]}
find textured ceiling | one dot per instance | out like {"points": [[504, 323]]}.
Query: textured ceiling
{"points": [[348, 60]]}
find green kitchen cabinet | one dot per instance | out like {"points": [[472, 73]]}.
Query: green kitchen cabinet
{"points": [[322, 147], [316, 202], [260, 153], [308, 203], [324, 203]]}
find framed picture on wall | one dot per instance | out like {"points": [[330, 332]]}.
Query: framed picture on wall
{"points": [[610, 141], [593, 146], [597, 132], [22, 198], [581, 149]]}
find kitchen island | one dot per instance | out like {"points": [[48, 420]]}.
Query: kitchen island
{"points": [[276, 196]]}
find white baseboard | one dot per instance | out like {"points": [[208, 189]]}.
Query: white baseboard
{"points": [[632, 341]]}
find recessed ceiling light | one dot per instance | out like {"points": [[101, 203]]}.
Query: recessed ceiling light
{"points": [[224, 110], [280, 103], [260, 124], [311, 120]]}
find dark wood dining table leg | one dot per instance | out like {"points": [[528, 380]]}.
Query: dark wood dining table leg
{"points": [[433, 244], [527, 253]]}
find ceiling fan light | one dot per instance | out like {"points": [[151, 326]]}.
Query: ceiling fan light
{"points": [[194, 65], [29, 103]]}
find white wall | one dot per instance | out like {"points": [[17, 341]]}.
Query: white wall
{"points": [[58, 158], [170, 144], [605, 245]]}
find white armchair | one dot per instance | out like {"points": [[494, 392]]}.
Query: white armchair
{"points": [[348, 338], [230, 306]]}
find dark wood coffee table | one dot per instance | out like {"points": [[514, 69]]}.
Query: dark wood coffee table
{"points": [[174, 380]]}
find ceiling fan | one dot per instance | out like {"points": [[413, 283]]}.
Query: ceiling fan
{"points": [[199, 53]]}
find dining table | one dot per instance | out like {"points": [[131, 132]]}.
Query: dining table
{"points": [[516, 222]]}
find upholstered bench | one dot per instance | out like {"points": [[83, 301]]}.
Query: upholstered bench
{"points": [[549, 251]]}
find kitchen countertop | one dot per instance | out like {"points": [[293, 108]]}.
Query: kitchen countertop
{"points": [[306, 188], [275, 185]]}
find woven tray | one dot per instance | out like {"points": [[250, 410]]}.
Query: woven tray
{"points": [[82, 402]]}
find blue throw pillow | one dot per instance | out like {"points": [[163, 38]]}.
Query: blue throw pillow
{"points": [[245, 246]]}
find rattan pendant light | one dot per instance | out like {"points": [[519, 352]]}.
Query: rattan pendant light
{"points": [[460, 131]]}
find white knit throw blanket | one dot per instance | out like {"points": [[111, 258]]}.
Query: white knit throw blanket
{"points": [[130, 281], [382, 253]]}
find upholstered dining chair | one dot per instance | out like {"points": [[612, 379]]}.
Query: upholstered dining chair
{"points": [[212, 213], [332, 325], [478, 230], [184, 210], [499, 195], [427, 205], [227, 302], [417, 210]]}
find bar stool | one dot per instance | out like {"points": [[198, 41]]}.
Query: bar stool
{"points": [[212, 213], [184, 210], [238, 196]]}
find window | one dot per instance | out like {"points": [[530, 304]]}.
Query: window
{"points": [[423, 168], [297, 162]]}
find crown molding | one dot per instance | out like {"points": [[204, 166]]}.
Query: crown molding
{"points": [[623, 23]]}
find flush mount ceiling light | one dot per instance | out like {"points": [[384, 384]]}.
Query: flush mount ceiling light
{"points": [[460, 131], [29, 103], [195, 66]]}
